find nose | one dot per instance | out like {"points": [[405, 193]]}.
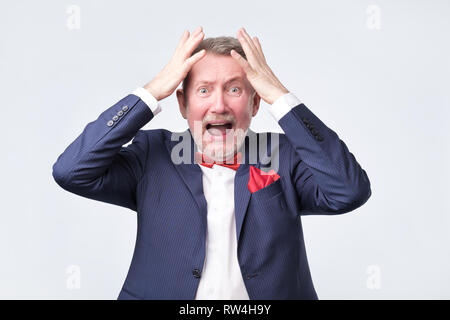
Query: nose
{"points": [[219, 105]]}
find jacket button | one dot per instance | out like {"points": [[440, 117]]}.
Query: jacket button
{"points": [[110, 123], [124, 108], [115, 118], [319, 138], [120, 113], [196, 273]]}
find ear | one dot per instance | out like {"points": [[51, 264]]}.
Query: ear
{"points": [[255, 102], [182, 103]]}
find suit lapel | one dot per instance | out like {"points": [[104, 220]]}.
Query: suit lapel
{"points": [[241, 197], [241, 193], [191, 174]]}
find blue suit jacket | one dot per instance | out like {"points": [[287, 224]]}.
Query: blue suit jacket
{"points": [[318, 176]]}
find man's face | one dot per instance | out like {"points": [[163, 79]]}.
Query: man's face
{"points": [[219, 105]]}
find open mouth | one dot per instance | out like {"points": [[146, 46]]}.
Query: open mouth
{"points": [[219, 128]]}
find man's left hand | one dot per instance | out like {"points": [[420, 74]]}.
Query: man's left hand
{"points": [[260, 76]]}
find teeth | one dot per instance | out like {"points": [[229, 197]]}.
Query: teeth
{"points": [[217, 124]]}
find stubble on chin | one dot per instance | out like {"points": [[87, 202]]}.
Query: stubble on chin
{"points": [[219, 150]]}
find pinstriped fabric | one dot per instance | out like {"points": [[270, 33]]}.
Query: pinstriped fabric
{"points": [[171, 228], [318, 176]]}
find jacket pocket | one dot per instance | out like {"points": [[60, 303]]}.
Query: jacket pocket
{"points": [[270, 191]]}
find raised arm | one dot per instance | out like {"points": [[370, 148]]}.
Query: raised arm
{"points": [[327, 177], [96, 165]]}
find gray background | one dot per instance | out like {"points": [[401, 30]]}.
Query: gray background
{"points": [[384, 91]]}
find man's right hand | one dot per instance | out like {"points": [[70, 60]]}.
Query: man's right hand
{"points": [[165, 83]]}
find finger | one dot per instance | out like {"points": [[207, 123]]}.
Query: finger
{"points": [[193, 43], [186, 38], [196, 32], [258, 46], [194, 38], [247, 38], [196, 57], [249, 49], [242, 62], [183, 39]]}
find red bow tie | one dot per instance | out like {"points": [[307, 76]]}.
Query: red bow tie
{"points": [[201, 158]]}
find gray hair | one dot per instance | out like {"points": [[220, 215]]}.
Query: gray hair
{"points": [[218, 45]]}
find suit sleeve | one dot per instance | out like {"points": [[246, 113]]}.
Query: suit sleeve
{"points": [[326, 176], [97, 166]]}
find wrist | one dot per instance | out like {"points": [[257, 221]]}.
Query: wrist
{"points": [[281, 92], [153, 91]]}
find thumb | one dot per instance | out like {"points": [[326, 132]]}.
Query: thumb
{"points": [[196, 57], [240, 59]]}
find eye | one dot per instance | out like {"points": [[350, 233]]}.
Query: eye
{"points": [[235, 88], [203, 89]]}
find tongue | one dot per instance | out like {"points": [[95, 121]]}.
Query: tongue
{"points": [[219, 130]]}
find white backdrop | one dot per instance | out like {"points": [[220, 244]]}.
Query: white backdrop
{"points": [[376, 72]]}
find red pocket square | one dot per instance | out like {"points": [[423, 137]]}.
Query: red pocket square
{"points": [[259, 179]]}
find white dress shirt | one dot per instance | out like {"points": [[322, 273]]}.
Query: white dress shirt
{"points": [[221, 277]]}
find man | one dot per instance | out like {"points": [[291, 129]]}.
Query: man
{"points": [[212, 222]]}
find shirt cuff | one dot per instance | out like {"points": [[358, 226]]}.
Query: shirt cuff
{"points": [[148, 99], [283, 105]]}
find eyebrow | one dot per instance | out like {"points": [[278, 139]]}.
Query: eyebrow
{"points": [[210, 82]]}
